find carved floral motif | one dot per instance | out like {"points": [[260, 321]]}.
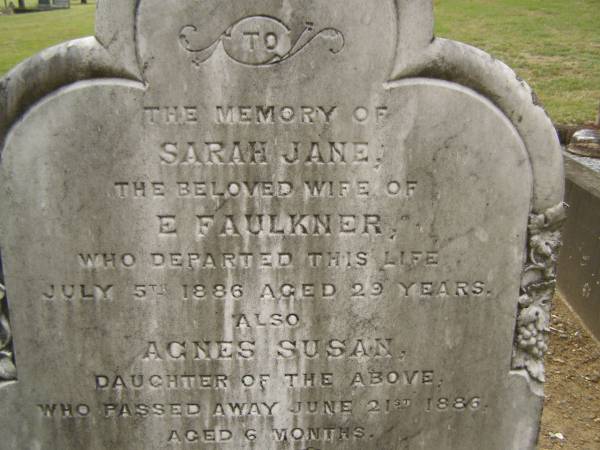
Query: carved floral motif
{"points": [[537, 290], [8, 370]]}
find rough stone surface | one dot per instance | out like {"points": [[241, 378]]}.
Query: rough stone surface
{"points": [[591, 163], [580, 257], [270, 236]]}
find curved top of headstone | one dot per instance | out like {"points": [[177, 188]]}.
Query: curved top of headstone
{"points": [[133, 35], [224, 142], [263, 46]]}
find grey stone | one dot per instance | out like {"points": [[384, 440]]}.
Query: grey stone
{"points": [[47, 4], [275, 225], [587, 161], [580, 257]]}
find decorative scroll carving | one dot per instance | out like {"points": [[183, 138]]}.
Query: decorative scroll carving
{"points": [[258, 41], [8, 370], [537, 291]]}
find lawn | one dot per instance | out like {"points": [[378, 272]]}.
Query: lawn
{"points": [[553, 44], [23, 35]]}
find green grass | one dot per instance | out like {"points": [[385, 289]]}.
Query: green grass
{"points": [[23, 35], [553, 44]]}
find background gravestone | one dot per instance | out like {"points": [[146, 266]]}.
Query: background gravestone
{"points": [[275, 225], [54, 3]]}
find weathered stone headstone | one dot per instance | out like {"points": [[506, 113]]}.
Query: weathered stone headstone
{"points": [[47, 4], [269, 225]]}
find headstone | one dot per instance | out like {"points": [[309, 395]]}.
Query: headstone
{"points": [[48, 4], [271, 225]]}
